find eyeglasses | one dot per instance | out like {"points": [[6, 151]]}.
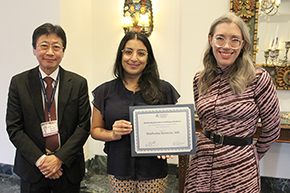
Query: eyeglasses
{"points": [[141, 54], [45, 46], [235, 43]]}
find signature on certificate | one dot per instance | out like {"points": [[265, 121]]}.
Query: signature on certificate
{"points": [[178, 143], [151, 144]]}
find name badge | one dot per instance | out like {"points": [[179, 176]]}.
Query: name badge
{"points": [[49, 128]]}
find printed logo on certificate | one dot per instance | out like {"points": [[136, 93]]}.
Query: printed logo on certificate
{"points": [[162, 130]]}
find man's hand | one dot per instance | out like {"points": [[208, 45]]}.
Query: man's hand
{"points": [[50, 167], [56, 175]]}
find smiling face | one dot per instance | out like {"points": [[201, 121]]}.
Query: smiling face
{"points": [[135, 63], [48, 59], [226, 56]]}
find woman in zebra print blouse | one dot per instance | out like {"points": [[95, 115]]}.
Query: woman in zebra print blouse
{"points": [[231, 94]]}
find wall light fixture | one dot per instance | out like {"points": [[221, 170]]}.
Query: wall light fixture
{"points": [[138, 16], [269, 7]]}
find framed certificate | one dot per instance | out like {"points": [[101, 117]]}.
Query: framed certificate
{"points": [[162, 130]]}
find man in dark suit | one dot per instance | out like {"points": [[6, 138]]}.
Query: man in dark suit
{"points": [[29, 118]]}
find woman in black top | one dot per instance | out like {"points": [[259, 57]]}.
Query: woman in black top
{"points": [[136, 82]]}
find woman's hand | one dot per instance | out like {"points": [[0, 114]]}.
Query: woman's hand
{"points": [[120, 128], [165, 156]]}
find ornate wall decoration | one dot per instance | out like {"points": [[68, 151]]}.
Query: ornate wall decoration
{"points": [[283, 77], [135, 9], [279, 74], [244, 9]]}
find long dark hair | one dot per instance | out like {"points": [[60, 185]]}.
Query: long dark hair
{"points": [[149, 82]]}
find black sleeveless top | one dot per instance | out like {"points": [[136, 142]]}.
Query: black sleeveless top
{"points": [[112, 99]]}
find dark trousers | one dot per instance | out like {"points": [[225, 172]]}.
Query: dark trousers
{"points": [[45, 185]]}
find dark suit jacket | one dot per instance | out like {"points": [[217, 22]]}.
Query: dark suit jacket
{"points": [[25, 113]]}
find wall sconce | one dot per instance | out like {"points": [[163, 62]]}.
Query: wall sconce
{"points": [[269, 7], [138, 16]]}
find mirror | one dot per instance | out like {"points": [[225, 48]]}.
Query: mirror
{"points": [[270, 36], [273, 45], [268, 28]]}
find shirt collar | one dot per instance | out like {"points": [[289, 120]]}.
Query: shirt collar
{"points": [[52, 75], [221, 70]]}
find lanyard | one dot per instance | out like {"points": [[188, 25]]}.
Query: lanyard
{"points": [[44, 91]]}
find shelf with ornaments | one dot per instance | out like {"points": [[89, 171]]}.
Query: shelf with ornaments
{"points": [[279, 69]]}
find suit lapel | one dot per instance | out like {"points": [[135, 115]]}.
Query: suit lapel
{"points": [[65, 87], [33, 85]]}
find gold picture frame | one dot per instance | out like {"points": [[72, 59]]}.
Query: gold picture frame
{"points": [[248, 10]]}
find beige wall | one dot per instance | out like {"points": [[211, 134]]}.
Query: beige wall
{"points": [[18, 19], [178, 40]]}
